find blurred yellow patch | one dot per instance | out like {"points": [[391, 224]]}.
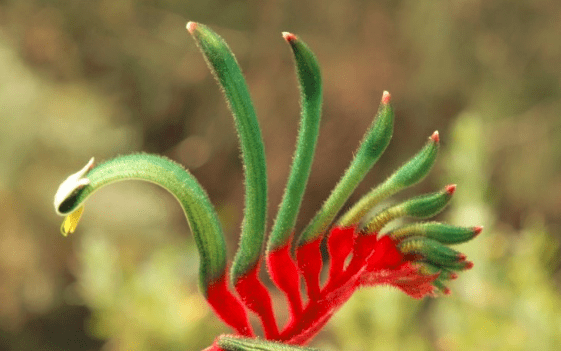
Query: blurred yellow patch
{"points": [[71, 221]]}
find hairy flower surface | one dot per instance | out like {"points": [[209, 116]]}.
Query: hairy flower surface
{"points": [[415, 258]]}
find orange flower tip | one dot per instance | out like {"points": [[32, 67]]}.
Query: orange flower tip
{"points": [[450, 188], [386, 97], [191, 27], [435, 137], [477, 230], [289, 37], [462, 257]]}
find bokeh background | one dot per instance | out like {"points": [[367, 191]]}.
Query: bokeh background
{"points": [[103, 78]]}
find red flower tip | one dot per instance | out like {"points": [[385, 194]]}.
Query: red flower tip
{"points": [[289, 37], [191, 27], [446, 291], [386, 97], [469, 265], [450, 188], [462, 257], [453, 276], [435, 136], [477, 230]]}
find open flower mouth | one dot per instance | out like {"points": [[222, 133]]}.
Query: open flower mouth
{"points": [[415, 257]]}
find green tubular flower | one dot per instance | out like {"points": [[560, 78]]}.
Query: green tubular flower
{"points": [[309, 78], [409, 174], [233, 343], [431, 250], [420, 207], [445, 233], [282, 268], [371, 148], [200, 213], [443, 273], [225, 68]]}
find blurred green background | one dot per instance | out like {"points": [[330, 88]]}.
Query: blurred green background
{"points": [[103, 78]]}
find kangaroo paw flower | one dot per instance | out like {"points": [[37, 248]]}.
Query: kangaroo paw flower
{"points": [[415, 258]]}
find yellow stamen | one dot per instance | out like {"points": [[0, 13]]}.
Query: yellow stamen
{"points": [[71, 221]]}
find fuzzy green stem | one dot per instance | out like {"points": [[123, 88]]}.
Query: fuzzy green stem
{"points": [[420, 207], [371, 148], [444, 233], [309, 77], [174, 178], [225, 68], [235, 343], [409, 174], [431, 250]]}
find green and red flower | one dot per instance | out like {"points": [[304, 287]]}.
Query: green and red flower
{"points": [[415, 257]]}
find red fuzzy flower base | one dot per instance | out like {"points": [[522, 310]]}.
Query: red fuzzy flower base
{"points": [[356, 259]]}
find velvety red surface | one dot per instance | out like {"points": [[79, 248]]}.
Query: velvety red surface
{"points": [[285, 275], [228, 307], [256, 297], [310, 263]]}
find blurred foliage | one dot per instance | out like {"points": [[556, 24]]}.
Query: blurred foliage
{"points": [[101, 78]]}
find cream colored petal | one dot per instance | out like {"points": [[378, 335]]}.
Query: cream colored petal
{"points": [[71, 184]]}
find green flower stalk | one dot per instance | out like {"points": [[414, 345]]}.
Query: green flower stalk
{"points": [[420, 207], [371, 148], [415, 257], [171, 176], [309, 78], [234, 343], [409, 174], [444, 233], [225, 68], [282, 268]]}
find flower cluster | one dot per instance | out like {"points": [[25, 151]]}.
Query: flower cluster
{"points": [[415, 258]]}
